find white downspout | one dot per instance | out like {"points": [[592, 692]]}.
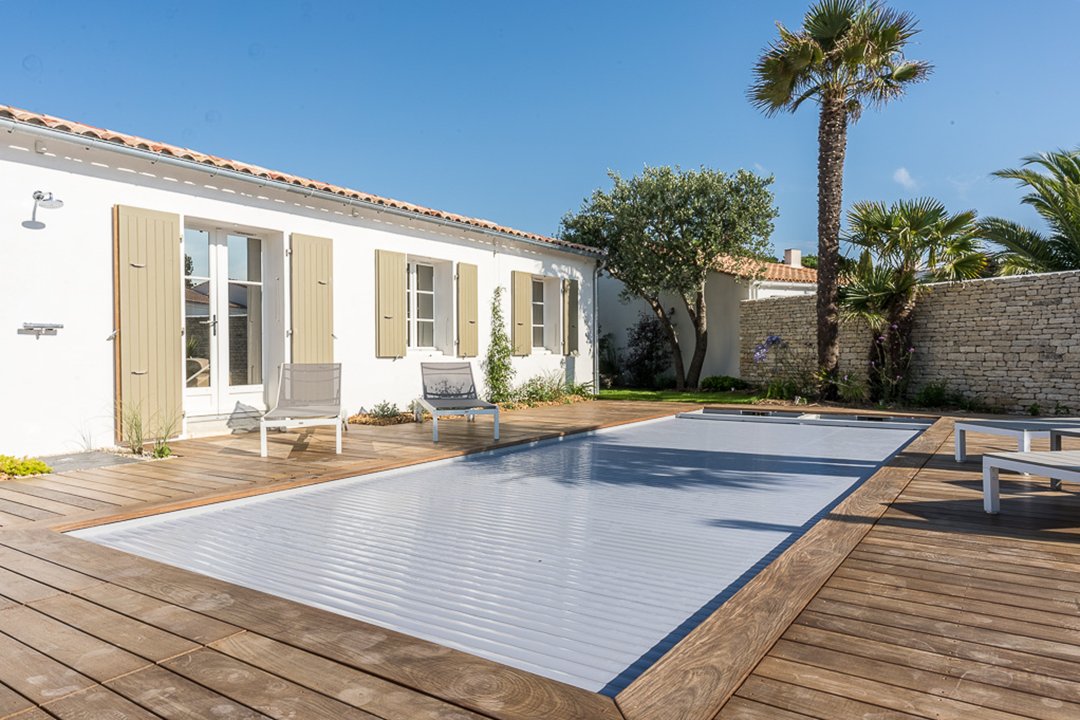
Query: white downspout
{"points": [[596, 329]]}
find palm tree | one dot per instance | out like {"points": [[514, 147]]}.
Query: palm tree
{"points": [[1055, 195], [903, 245], [848, 54]]}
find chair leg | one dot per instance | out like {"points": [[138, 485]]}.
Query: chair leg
{"points": [[263, 452], [991, 489], [338, 438], [496, 424], [434, 427]]}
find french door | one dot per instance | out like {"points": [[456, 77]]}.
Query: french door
{"points": [[223, 322]]}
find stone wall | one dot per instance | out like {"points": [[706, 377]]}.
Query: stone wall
{"points": [[1006, 342]]}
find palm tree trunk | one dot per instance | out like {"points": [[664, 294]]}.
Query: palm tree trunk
{"points": [[832, 144]]}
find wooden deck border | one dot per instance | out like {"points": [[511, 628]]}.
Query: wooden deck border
{"points": [[694, 679]]}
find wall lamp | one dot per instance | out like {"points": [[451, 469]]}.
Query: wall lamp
{"points": [[45, 200]]}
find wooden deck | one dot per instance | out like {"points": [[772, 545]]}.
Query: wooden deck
{"points": [[907, 602]]}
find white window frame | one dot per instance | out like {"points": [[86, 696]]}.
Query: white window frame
{"points": [[412, 290], [533, 303]]}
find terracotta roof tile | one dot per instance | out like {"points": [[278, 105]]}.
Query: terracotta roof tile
{"points": [[776, 272], [133, 141]]}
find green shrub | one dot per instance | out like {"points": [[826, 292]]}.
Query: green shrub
{"points": [[648, 354], [384, 410], [723, 383], [934, 395], [547, 387], [497, 365], [852, 389], [18, 467]]}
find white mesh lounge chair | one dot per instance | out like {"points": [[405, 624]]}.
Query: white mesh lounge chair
{"points": [[309, 394], [1058, 465], [449, 389]]}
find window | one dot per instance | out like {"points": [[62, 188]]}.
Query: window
{"points": [[537, 313], [245, 310], [420, 308]]}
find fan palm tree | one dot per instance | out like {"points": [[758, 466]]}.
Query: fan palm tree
{"points": [[903, 245], [847, 55], [1055, 195]]}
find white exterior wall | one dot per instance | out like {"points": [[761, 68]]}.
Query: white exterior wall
{"points": [[58, 392], [723, 293]]}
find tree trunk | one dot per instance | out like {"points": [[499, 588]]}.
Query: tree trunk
{"points": [[673, 342], [699, 319], [832, 143]]}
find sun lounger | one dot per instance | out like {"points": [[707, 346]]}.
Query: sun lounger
{"points": [[1057, 465], [309, 394], [449, 389], [1023, 430]]}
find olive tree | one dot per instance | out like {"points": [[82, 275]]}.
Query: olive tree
{"points": [[665, 230]]}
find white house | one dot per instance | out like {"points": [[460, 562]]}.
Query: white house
{"points": [[724, 290], [182, 281]]}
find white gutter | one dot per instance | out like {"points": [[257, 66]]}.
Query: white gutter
{"points": [[596, 330], [14, 126]]}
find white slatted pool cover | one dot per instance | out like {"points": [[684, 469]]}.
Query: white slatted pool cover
{"points": [[582, 560]]}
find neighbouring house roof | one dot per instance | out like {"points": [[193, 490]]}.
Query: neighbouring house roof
{"points": [[133, 141], [768, 271]]}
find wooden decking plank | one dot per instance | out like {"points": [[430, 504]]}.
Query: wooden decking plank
{"points": [[34, 675], [986, 611], [959, 687], [1043, 549], [108, 483], [911, 618], [132, 635], [352, 687], [34, 488], [82, 489], [22, 589], [174, 697], [260, 690], [8, 491], [11, 702], [1045, 601], [809, 702], [938, 640], [43, 571], [1024, 685], [739, 708], [25, 511], [982, 557], [83, 653], [97, 703], [875, 692], [177, 620]]}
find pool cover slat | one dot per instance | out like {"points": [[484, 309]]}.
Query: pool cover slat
{"points": [[581, 560]]}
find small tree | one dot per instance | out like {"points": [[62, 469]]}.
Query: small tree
{"points": [[665, 230], [903, 245], [498, 368], [647, 352]]}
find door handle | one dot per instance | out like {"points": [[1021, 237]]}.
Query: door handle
{"points": [[212, 323]]}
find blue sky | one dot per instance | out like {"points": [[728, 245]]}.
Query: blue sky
{"points": [[515, 111]]}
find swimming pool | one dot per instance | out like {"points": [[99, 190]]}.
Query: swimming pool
{"points": [[582, 560]]}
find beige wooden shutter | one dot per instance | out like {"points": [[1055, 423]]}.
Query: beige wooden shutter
{"points": [[467, 311], [149, 350], [570, 316], [312, 269], [390, 301], [521, 312]]}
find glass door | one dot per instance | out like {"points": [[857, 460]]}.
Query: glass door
{"points": [[223, 322]]}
